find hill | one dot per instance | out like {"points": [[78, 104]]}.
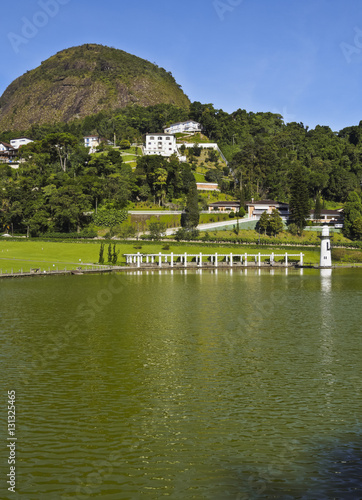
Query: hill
{"points": [[84, 80]]}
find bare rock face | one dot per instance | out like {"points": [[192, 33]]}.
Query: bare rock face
{"points": [[84, 80]]}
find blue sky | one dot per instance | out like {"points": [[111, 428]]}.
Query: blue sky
{"points": [[302, 59]]}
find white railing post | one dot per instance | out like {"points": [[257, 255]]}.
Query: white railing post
{"points": [[286, 259], [160, 259], [171, 259]]}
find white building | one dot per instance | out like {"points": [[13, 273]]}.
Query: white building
{"points": [[189, 126], [21, 141], [4, 146], [91, 142], [160, 144], [257, 208]]}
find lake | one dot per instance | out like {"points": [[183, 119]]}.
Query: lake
{"points": [[236, 384]]}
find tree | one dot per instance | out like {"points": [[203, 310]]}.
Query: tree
{"points": [[275, 222], [160, 183], [101, 254], [124, 144], [190, 218], [357, 228], [317, 207], [352, 212], [196, 150], [62, 145], [157, 229], [110, 255], [115, 255], [263, 222], [299, 199]]}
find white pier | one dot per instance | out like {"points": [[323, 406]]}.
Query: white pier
{"points": [[211, 260]]}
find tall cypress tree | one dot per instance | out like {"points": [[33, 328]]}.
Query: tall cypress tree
{"points": [[317, 207], [299, 205], [190, 219]]}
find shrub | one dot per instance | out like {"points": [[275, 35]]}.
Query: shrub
{"points": [[110, 218], [293, 229]]}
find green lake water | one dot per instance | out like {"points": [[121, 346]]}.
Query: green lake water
{"points": [[185, 385]]}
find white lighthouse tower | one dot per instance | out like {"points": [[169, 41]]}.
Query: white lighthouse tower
{"points": [[326, 257]]}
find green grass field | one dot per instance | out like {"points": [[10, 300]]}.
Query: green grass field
{"points": [[16, 255]]}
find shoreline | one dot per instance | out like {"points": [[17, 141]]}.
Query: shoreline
{"points": [[189, 267]]}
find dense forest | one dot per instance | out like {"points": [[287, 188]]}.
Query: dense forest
{"points": [[59, 181]]}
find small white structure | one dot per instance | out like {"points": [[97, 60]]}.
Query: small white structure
{"points": [[21, 141], [160, 144], [92, 141], [326, 256], [189, 126], [207, 186]]}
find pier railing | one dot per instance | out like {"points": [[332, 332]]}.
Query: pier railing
{"points": [[215, 259]]}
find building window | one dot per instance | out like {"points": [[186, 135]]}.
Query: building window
{"points": [[160, 138], [152, 138]]}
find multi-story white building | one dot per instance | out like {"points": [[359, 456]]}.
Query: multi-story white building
{"points": [[160, 144], [21, 141], [188, 126]]}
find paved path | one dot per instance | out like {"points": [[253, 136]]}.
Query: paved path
{"points": [[213, 225]]}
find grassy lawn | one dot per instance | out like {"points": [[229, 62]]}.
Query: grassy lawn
{"points": [[129, 158], [26, 254], [199, 177]]}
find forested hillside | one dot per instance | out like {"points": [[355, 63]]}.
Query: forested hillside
{"points": [[263, 153]]}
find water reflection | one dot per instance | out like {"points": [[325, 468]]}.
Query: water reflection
{"points": [[326, 280], [219, 385]]}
